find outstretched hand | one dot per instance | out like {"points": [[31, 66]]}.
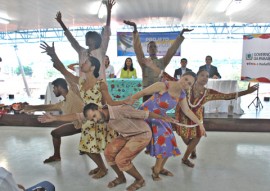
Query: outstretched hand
{"points": [[252, 88], [46, 118], [130, 23], [58, 16], [110, 4], [202, 130], [187, 30], [47, 49], [129, 100]]}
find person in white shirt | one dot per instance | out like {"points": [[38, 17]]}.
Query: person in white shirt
{"points": [[109, 69]]}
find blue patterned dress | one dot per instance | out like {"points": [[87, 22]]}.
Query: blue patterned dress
{"points": [[163, 143]]}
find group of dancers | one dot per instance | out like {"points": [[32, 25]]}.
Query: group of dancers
{"points": [[115, 127]]}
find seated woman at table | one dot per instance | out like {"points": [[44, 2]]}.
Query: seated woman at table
{"points": [[109, 69], [128, 71], [196, 97]]}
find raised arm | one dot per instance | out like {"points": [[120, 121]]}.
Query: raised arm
{"points": [[50, 50], [136, 43], [105, 36], [106, 31], [172, 50], [71, 39], [150, 90], [109, 6], [185, 108]]}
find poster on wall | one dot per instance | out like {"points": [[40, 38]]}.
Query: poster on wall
{"points": [[163, 40], [256, 58]]}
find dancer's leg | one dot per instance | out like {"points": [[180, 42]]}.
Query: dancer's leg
{"points": [[120, 179], [63, 130], [164, 171], [156, 169], [110, 153], [139, 181], [191, 146], [96, 157]]}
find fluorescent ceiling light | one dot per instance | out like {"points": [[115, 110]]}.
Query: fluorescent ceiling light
{"points": [[4, 21]]}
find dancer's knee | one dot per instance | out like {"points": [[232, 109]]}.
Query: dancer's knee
{"points": [[109, 155], [55, 134], [122, 162]]}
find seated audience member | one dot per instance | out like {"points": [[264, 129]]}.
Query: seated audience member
{"points": [[212, 70], [183, 69], [7, 183], [109, 69], [128, 71]]}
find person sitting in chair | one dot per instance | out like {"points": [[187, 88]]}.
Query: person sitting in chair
{"points": [[212, 70], [183, 69]]}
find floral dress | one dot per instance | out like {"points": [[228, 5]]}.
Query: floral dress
{"points": [[94, 137], [163, 143]]}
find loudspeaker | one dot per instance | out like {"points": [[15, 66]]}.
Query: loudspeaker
{"points": [[266, 98]]}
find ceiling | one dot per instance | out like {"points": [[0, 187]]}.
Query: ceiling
{"points": [[40, 14]]}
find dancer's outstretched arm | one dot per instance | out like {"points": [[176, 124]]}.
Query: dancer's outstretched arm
{"points": [[172, 50], [50, 50]]}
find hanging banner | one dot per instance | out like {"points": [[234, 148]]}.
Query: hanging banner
{"points": [[256, 58], [163, 40]]}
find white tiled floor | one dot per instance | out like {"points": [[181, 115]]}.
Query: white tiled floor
{"points": [[226, 162]]}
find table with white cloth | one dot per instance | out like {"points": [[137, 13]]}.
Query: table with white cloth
{"points": [[221, 106]]}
